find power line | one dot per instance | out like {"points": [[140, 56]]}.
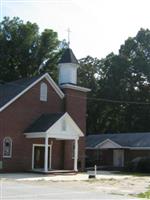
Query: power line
{"points": [[111, 100]]}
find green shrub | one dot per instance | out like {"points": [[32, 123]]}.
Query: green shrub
{"points": [[140, 164], [144, 165]]}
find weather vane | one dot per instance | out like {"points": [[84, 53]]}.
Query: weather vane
{"points": [[68, 31]]}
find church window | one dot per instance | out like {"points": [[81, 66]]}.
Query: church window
{"points": [[7, 147], [43, 92]]}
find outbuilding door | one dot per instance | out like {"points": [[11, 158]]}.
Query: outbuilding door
{"points": [[118, 158]]}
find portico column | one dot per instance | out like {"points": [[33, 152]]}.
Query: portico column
{"points": [[46, 155], [76, 155]]}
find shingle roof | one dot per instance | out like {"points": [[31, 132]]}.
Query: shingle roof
{"points": [[9, 90], [44, 122], [123, 139], [68, 57]]}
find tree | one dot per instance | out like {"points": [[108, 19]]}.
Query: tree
{"points": [[24, 51], [120, 102], [88, 75]]}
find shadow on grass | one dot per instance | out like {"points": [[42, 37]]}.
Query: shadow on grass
{"points": [[132, 173]]}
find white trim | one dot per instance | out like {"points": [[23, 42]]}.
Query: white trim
{"points": [[43, 91], [139, 148], [76, 156], [50, 154], [52, 132], [73, 147], [46, 155], [75, 87], [55, 86], [68, 64], [119, 152], [63, 134], [124, 147], [109, 141], [48, 78], [35, 135]]}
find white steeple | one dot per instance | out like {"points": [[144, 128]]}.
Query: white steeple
{"points": [[68, 66]]}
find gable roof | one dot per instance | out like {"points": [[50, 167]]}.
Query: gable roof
{"points": [[68, 57], [107, 144], [50, 125], [11, 91], [44, 122], [131, 140]]}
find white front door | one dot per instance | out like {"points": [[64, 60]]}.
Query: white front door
{"points": [[118, 158]]}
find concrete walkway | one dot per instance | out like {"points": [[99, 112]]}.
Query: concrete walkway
{"points": [[60, 177], [37, 177]]}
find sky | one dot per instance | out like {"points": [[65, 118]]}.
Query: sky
{"points": [[98, 27]]}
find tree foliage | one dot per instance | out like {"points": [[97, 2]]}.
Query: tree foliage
{"points": [[120, 96], [122, 93], [24, 51]]}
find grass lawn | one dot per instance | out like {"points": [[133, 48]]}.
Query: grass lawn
{"points": [[144, 194], [132, 173]]}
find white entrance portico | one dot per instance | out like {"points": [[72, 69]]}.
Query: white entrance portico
{"points": [[55, 126]]}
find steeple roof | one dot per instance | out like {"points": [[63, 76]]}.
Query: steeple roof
{"points": [[68, 57]]}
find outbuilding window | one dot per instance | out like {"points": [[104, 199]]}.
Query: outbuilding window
{"points": [[7, 147], [43, 92]]}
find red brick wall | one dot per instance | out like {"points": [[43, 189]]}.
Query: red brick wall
{"points": [[58, 154], [99, 157], [105, 157], [75, 105], [17, 117]]}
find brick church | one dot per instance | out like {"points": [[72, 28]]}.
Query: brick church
{"points": [[42, 124]]}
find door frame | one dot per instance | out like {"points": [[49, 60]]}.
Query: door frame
{"points": [[122, 157], [50, 154]]}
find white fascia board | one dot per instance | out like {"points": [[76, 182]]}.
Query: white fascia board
{"points": [[81, 134], [123, 147], [139, 148], [68, 64], [48, 78], [35, 135], [74, 87], [78, 133], [54, 85], [64, 137], [108, 141]]}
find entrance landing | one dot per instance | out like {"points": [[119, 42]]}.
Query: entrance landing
{"points": [[54, 172]]}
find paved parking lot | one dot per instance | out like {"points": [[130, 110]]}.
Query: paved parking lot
{"points": [[30, 190]]}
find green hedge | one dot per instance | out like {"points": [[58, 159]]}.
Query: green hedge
{"points": [[139, 165]]}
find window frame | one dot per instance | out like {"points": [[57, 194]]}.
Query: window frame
{"points": [[43, 91], [4, 141]]}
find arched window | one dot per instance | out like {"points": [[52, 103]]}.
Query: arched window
{"points": [[43, 92], [7, 147]]}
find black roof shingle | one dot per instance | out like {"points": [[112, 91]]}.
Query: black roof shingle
{"points": [[44, 122], [123, 139], [10, 90], [68, 57]]}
